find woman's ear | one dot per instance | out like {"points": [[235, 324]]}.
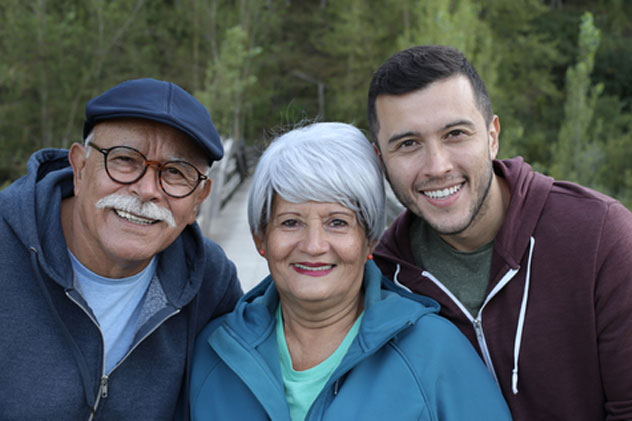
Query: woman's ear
{"points": [[372, 246], [259, 243]]}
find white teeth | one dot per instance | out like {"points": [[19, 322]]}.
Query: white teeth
{"points": [[133, 218], [313, 269], [442, 194]]}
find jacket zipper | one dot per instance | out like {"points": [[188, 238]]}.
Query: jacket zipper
{"points": [[477, 322], [342, 370], [102, 393], [480, 337]]}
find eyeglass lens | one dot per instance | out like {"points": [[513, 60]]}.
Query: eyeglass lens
{"points": [[126, 165]]}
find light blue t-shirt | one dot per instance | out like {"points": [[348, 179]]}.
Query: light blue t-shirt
{"points": [[116, 304], [303, 387]]}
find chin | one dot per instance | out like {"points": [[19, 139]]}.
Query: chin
{"points": [[447, 226]]}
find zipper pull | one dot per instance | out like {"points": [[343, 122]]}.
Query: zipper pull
{"points": [[104, 386]]}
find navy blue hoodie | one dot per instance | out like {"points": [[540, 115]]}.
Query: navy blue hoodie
{"points": [[51, 349]]}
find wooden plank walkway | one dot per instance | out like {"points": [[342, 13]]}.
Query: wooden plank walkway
{"points": [[230, 230]]}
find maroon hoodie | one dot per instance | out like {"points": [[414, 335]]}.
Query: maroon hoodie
{"points": [[556, 326]]}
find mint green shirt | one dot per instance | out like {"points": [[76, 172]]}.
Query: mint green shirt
{"points": [[302, 387]]}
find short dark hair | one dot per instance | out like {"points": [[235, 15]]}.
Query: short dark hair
{"points": [[417, 67]]}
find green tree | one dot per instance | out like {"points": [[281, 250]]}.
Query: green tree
{"points": [[525, 95], [458, 24], [228, 80], [578, 151]]}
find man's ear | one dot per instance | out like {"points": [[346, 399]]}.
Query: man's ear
{"points": [[205, 190], [77, 158], [378, 153], [494, 135], [376, 149]]}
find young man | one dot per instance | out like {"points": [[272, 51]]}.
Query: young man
{"points": [[106, 277], [537, 273]]}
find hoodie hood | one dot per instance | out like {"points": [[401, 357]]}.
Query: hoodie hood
{"points": [[32, 207], [529, 193]]}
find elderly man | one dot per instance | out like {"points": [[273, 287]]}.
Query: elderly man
{"points": [[106, 278], [537, 273]]}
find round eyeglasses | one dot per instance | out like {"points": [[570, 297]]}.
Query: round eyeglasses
{"points": [[127, 165]]}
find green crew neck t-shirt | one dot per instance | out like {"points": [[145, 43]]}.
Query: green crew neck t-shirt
{"points": [[465, 274]]}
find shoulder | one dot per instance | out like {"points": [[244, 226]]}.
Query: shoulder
{"points": [[572, 204], [205, 360], [446, 337], [219, 269], [220, 289], [202, 347], [445, 371], [216, 264], [433, 348]]}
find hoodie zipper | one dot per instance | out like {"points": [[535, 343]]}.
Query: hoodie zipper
{"points": [[477, 322], [103, 391]]}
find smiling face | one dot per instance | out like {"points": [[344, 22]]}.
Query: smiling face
{"points": [[316, 253], [437, 151], [106, 234]]}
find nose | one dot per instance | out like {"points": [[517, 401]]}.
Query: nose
{"points": [[437, 160], [147, 188], [315, 241]]}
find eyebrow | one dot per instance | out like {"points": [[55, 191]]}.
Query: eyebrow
{"points": [[455, 123], [399, 136], [463, 122]]}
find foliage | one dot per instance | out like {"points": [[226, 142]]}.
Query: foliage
{"points": [[228, 80], [559, 81], [577, 156]]}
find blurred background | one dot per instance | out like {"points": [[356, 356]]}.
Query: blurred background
{"points": [[559, 71]]}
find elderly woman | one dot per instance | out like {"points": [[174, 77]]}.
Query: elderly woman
{"points": [[325, 336]]}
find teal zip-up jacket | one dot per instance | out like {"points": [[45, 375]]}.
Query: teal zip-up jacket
{"points": [[406, 363], [51, 347]]}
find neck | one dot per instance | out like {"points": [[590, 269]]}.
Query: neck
{"points": [[312, 337]]}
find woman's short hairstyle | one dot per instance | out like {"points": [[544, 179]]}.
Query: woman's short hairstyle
{"points": [[322, 162]]}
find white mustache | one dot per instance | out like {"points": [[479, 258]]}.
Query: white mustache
{"points": [[148, 210]]}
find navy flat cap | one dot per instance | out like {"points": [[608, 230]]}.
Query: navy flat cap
{"points": [[160, 101]]}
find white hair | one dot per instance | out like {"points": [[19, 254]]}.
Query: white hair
{"points": [[322, 162], [87, 140]]}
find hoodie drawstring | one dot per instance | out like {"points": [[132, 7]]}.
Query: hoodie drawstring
{"points": [[396, 281], [521, 317]]}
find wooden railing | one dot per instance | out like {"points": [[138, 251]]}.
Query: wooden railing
{"points": [[227, 176]]}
